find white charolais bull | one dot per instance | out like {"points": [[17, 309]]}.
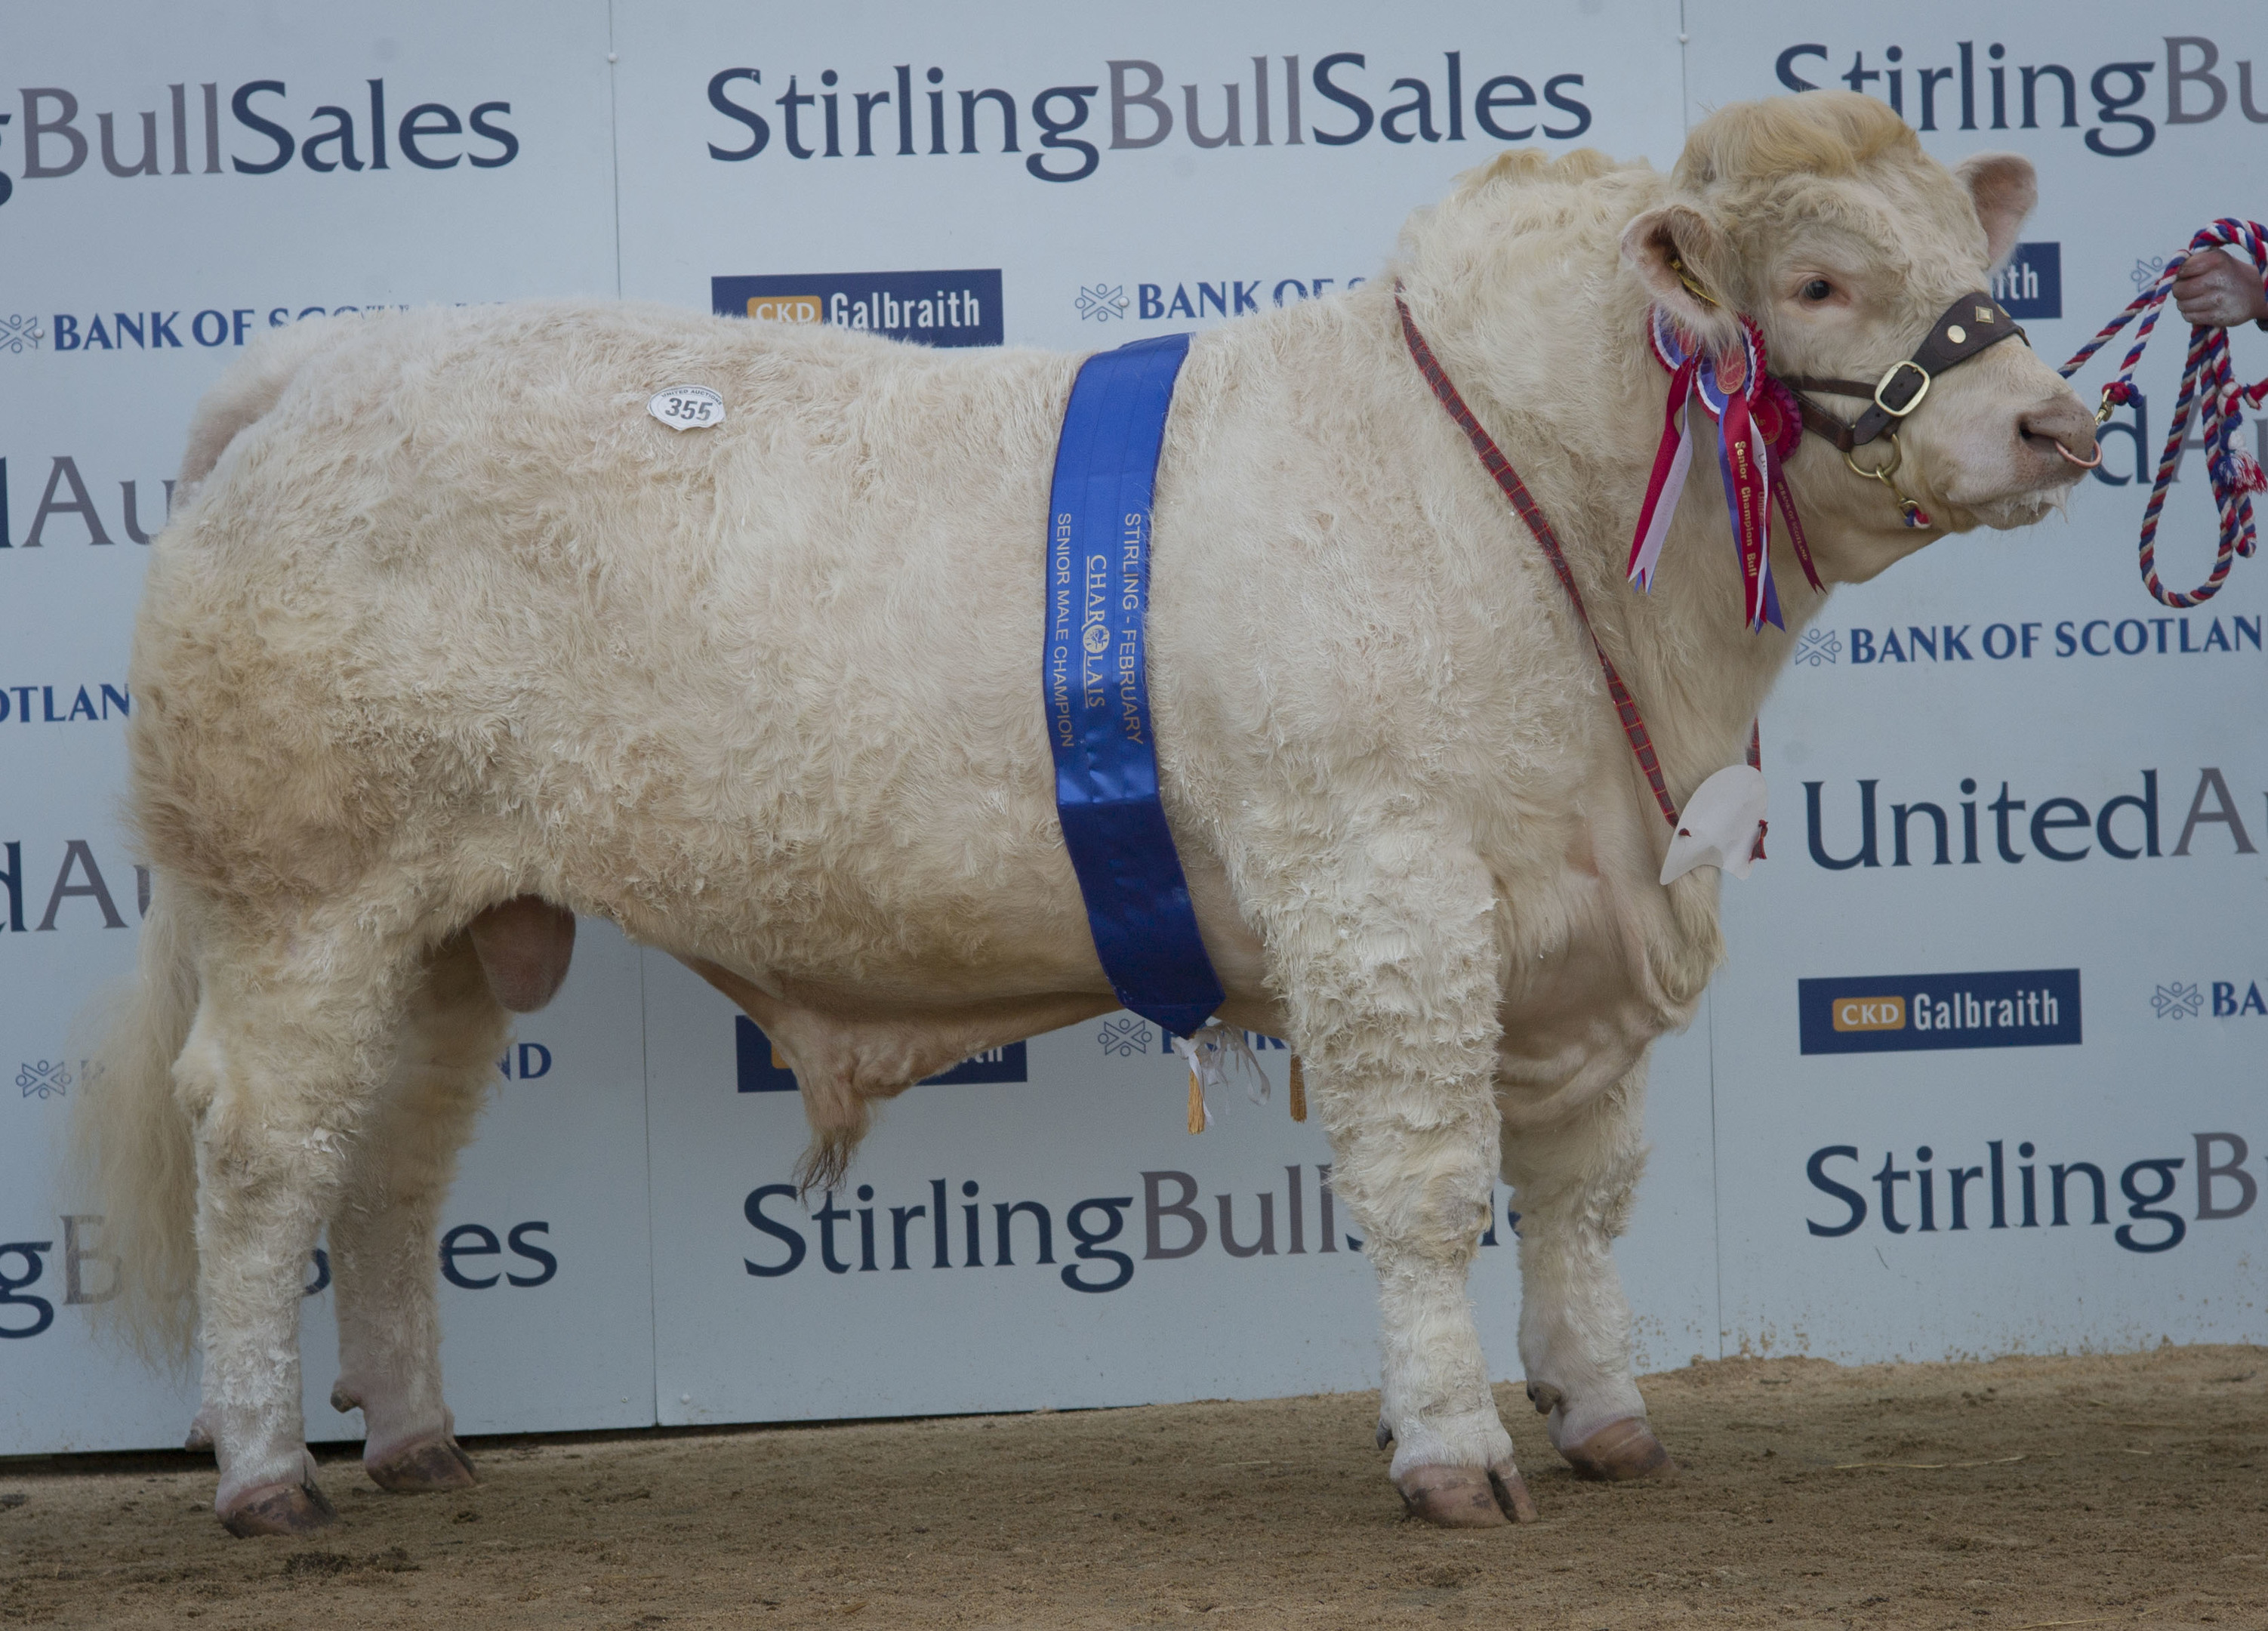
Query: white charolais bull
{"points": [[453, 639]]}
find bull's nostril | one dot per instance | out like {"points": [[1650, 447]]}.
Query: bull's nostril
{"points": [[2061, 432]]}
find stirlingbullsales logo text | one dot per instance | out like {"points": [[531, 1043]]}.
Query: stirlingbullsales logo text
{"points": [[796, 114], [265, 132], [1977, 1189], [939, 1231], [1946, 86]]}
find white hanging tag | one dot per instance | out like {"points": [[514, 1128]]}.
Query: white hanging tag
{"points": [[687, 407], [1719, 826]]}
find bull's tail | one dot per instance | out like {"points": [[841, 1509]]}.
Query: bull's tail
{"points": [[132, 1139], [244, 394]]}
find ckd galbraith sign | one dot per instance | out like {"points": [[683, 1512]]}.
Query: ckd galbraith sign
{"points": [[1983, 1063]]}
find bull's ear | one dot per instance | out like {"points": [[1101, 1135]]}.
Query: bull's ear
{"points": [[2004, 190], [1678, 255]]}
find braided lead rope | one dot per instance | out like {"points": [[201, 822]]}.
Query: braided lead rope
{"points": [[2155, 292], [2209, 386]]}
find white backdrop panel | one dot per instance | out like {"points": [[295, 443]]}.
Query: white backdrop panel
{"points": [[2062, 680], [1154, 238], [221, 236]]}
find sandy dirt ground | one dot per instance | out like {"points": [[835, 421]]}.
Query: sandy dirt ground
{"points": [[2023, 1493]]}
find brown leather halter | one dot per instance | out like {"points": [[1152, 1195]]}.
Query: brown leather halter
{"points": [[1970, 326], [1973, 324]]}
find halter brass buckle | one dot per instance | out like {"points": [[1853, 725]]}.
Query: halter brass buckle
{"points": [[1912, 402]]}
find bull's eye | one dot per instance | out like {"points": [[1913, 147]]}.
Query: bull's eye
{"points": [[1818, 291]]}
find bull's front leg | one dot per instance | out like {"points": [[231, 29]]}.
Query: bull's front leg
{"points": [[1573, 1184], [1418, 1179], [1392, 975]]}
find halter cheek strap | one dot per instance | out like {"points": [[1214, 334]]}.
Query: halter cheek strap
{"points": [[1973, 324]]}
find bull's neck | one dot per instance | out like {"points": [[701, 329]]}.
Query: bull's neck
{"points": [[1568, 386]]}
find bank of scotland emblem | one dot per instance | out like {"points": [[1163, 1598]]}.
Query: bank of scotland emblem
{"points": [[19, 334], [1817, 646], [44, 1079], [1123, 1038], [2177, 1002], [1103, 302]]}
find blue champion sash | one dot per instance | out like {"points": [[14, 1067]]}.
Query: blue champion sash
{"points": [[1095, 671]]}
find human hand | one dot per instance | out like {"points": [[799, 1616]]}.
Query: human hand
{"points": [[2218, 290]]}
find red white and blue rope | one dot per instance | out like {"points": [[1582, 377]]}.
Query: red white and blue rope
{"points": [[2208, 386]]}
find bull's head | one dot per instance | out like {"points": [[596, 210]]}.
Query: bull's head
{"points": [[1820, 217]]}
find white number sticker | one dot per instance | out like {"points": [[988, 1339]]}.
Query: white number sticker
{"points": [[687, 407]]}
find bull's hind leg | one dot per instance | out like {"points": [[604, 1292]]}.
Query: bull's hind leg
{"points": [[382, 1231], [1572, 1185], [1393, 973], [290, 1043]]}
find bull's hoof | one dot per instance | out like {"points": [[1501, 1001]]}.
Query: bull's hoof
{"points": [[1512, 1494], [1453, 1497], [1465, 1497], [1619, 1451], [430, 1463], [278, 1509]]}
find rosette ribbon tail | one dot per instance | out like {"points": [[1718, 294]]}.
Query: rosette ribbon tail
{"points": [[1672, 460], [1740, 457], [1786, 500]]}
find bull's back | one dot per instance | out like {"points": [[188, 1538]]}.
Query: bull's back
{"points": [[458, 596]]}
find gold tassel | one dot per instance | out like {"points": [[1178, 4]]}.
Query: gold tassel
{"points": [[1196, 1102], [1299, 1092]]}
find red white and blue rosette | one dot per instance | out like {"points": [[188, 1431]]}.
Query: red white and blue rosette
{"points": [[1758, 428]]}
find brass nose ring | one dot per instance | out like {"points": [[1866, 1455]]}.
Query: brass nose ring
{"points": [[2084, 464]]}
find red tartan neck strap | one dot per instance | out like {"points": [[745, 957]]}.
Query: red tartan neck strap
{"points": [[1497, 466]]}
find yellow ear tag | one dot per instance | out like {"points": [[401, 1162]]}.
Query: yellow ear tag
{"points": [[1298, 1095], [1686, 277]]}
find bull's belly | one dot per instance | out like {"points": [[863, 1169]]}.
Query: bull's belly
{"points": [[850, 1005]]}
